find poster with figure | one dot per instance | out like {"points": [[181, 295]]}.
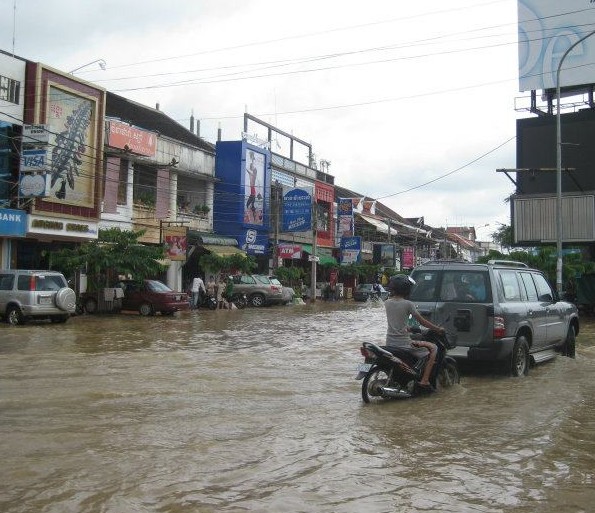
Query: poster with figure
{"points": [[72, 157], [254, 188]]}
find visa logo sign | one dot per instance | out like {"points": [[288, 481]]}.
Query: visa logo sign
{"points": [[32, 160]]}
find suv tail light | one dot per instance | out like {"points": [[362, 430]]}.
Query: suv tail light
{"points": [[499, 327], [276, 288]]}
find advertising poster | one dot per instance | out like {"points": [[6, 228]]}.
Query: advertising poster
{"points": [[72, 158], [351, 250], [254, 188], [176, 242], [345, 217], [408, 258], [297, 210]]}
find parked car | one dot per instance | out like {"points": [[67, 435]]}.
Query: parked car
{"points": [[365, 291], [501, 311], [259, 289], [152, 296], [26, 294]]}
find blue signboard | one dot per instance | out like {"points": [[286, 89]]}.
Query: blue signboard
{"points": [[254, 243], [13, 222], [351, 250], [297, 210]]}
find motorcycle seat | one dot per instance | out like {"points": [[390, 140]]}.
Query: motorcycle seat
{"points": [[415, 352]]}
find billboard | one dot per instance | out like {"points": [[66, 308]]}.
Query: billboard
{"points": [[254, 188], [547, 28], [297, 209]]}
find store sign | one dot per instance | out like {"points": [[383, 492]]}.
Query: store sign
{"points": [[13, 223], [293, 251], [297, 210], [34, 185], [128, 138], [68, 228], [35, 134], [176, 242], [34, 160]]}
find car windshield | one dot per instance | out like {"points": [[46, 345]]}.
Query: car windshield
{"points": [[157, 286]]}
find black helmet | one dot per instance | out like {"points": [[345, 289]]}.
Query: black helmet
{"points": [[400, 285]]}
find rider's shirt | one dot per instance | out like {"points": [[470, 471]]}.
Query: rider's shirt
{"points": [[397, 315]]}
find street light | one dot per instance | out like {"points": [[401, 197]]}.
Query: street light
{"points": [[559, 168], [101, 62]]}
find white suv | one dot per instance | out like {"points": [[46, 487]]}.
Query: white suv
{"points": [[26, 294]]}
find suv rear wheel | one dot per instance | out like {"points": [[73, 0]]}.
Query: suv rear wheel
{"points": [[519, 359]]}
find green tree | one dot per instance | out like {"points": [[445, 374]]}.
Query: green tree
{"points": [[114, 252], [236, 262], [504, 236]]}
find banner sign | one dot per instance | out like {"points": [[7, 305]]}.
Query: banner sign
{"points": [[345, 217], [351, 250], [176, 242], [297, 210], [13, 222], [136, 140]]}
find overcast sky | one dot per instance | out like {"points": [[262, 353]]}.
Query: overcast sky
{"points": [[413, 103]]}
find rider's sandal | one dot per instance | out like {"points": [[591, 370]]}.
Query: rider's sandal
{"points": [[426, 388]]}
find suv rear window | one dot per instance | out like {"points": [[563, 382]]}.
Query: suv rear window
{"points": [[451, 285], [42, 282]]}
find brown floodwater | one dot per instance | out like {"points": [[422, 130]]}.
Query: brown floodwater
{"points": [[257, 410]]}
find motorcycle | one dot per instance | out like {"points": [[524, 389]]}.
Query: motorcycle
{"points": [[392, 372], [209, 302], [240, 300]]}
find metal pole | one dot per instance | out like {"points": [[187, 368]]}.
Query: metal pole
{"points": [[313, 256], [559, 168]]}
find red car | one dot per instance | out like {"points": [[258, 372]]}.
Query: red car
{"points": [[152, 296]]}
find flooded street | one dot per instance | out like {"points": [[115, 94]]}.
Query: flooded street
{"points": [[257, 410]]}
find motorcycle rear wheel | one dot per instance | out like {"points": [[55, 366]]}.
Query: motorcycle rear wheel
{"points": [[376, 378], [448, 376]]}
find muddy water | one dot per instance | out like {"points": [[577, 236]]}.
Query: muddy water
{"points": [[257, 410]]}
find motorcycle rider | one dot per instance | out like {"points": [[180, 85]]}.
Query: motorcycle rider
{"points": [[398, 308]]}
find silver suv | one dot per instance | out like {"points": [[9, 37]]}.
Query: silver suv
{"points": [[259, 289], [35, 295], [501, 311]]}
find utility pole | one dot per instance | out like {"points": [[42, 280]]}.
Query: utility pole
{"points": [[313, 256]]}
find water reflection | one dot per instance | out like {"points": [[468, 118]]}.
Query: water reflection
{"points": [[257, 410]]}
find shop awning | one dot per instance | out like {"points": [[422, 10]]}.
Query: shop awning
{"points": [[210, 239], [380, 225], [221, 250], [324, 259], [307, 248]]}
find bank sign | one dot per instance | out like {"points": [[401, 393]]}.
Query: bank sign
{"points": [[13, 223]]}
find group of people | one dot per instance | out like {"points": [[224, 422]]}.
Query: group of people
{"points": [[222, 290]]}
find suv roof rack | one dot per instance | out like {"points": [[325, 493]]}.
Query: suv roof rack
{"points": [[509, 263]]}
